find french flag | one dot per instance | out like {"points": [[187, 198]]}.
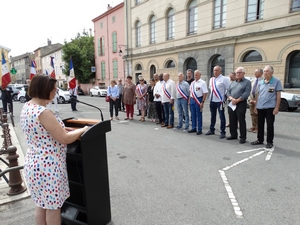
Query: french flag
{"points": [[5, 73], [72, 82], [52, 74], [32, 69]]}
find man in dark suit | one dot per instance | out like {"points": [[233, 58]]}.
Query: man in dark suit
{"points": [[6, 98]]}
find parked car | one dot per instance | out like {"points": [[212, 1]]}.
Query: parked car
{"points": [[64, 96], [80, 91], [289, 101], [98, 91], [16, 88]]}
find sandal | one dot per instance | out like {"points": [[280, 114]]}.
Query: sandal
{"points": [[117, 118], [257, 142], [142, 119], [126, 118]]}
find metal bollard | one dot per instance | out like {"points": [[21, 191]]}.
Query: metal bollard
{"points": [[15, 180]]}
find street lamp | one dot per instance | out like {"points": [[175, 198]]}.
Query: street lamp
{"points": [[125, 57], [120, 51]]}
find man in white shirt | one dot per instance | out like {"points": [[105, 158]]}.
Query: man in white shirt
{"points": [[198, 92], [167, 99], [157, 92], [218, 85]]}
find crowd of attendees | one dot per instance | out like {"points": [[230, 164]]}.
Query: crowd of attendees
{"points": [[234, 93]]}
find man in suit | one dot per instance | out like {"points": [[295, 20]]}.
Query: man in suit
{"points": [[7, 99], [258, 77]]}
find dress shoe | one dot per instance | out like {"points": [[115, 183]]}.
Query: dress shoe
{"points": [[222, 136], [251, 129], [192, 131], [257, 142], [199, 132], [231, 138], [164, 125], [210, 133], [242, 141], [170, 127], [269, 145]]}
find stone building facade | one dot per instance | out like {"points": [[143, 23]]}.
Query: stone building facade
{"points": [[173, 36]]}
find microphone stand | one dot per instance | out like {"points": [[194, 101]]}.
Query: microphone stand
{"points": [[76, 100]]}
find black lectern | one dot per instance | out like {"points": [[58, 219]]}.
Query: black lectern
{"points": [[89, 201]]}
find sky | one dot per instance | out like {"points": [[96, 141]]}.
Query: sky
{"points": [[26, 25]]}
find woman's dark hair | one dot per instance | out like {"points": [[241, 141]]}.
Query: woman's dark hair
{"points": [[129, 77], [41, 87]]}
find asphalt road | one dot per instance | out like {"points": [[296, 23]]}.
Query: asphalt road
{"points": [[160, 176]]}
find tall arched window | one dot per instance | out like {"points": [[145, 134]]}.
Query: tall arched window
{"points": [[293, 75], [252, 56], [191, 64], [170, 24], [152, 30], [152, 71], [193, 17], [138, 34], [138, 67], [218, 61], [170, 64]]}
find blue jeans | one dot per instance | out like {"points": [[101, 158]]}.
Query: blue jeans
{"points": [[169, 113], [196, 114], [214, 106], [182, 108]]}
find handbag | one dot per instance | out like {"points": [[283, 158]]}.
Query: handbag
{"points": [[107, 98]]}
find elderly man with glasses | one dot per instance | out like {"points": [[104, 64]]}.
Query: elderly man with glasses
{"points": [[238, 93]]}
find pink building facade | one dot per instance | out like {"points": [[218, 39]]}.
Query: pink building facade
{"points": [[109, 40]]}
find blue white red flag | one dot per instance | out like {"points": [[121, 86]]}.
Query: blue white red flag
{"points": [[5, 73], [32, 69], [52, 74], [72, 82]]}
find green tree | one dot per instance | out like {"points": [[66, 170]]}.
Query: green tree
{"points": [[81, 50]]}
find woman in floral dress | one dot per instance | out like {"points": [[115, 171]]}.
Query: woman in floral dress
{"points": [[128, 97], [45, 161], [141, 93]]}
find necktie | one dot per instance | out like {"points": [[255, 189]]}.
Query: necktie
{"points": [[254, 87]]}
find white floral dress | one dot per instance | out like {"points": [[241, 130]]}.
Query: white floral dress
{"points": [[45, 161]]}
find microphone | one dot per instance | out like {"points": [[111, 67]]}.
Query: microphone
{"points": [[76, 100]]}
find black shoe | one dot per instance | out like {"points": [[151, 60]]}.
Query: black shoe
{"points": [[231, 138], [269, 145], [192, 131], [222, 136], [242, 141], [210, 133], [199, 132], [257, 142]]}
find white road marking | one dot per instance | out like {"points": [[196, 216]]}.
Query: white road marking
{"points": [[270, 152], [233, 200], [251, 150]]}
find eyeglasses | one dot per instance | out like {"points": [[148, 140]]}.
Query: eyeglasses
{"points": [[141, 80]]}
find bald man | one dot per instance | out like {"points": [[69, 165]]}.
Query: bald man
{"points": [[198, 92], [218, 86]]}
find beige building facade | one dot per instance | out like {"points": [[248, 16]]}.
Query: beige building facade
{"points": [[173, 36]]}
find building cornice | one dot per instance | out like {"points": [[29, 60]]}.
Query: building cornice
{"points": [[217, 42], [109, 12]]}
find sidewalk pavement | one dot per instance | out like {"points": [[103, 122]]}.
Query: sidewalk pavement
{"points": [[4, 188]]}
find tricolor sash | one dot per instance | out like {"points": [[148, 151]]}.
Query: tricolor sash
{"points": [[140, 91], [166, 91], [193, 92], [181, 92], [215, 89]]}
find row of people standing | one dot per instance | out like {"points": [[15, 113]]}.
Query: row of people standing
{"points": [[263, 96]]}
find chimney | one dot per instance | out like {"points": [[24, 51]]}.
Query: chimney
{"points": [[49, 42], [109, 7]]}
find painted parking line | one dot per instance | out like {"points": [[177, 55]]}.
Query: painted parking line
{"points": [[237, 210]]}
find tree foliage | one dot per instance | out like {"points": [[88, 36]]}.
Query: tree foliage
{"points": [[81, 50]]}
